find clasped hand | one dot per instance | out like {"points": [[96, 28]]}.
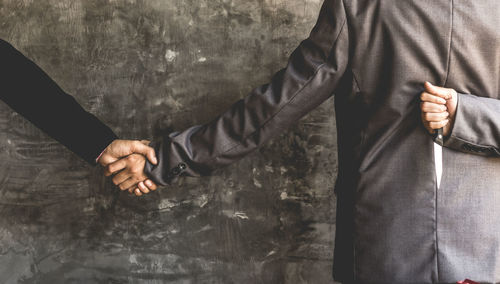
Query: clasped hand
{"points": [[438, 108], [125, 159]]}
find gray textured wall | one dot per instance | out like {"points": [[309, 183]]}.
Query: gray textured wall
{"points": [[141, 66]]}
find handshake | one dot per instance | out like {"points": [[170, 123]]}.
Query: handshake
{"points": [[125, 159]]}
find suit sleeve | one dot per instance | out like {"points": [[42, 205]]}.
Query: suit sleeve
{"points": [[28, 90], [311, 76], [476, 128]]}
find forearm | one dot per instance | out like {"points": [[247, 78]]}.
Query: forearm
{"points": [[476, 128], [311, 76], [28, 90]]}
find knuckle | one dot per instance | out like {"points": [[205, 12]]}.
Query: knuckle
{"points": [[136, 144], [132, 159]]}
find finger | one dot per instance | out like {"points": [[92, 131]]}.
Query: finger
{"points": [[429, 129], [137, 192], [128, 184], [121, 177], [438, 91], [115, 167], [143, 187], [151, 185], [435, 116], [131, 189], [106, 159], [427, 97], [147, 151], [437, 125], [432, 107]]}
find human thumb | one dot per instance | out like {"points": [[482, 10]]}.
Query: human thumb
{"points": [[437, 91], [147, 151]]}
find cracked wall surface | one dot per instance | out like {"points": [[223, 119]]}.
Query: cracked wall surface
{"points": [[145, 68]]}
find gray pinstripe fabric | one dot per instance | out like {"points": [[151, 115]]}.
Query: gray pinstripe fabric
{"points": [[393, 225]]}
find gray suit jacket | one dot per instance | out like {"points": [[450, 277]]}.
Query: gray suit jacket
{"points": [[393, 224]]}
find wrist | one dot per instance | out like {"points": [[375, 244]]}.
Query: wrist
{"points": [[97, 160]]}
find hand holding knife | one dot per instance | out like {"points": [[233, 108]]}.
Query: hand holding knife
{"points": [[438, 109]]}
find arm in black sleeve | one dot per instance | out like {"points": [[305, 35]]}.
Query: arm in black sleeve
{"points": [[28, 90]]}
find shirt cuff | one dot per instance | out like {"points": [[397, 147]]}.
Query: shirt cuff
{"points": [[98, 157]]}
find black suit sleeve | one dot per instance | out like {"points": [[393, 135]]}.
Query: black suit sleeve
{"points": [[28, 90]]}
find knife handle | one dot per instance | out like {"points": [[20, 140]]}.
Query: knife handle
{"points": [[438, 138]]}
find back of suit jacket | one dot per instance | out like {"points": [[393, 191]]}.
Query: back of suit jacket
{"points": [[394, 225]]}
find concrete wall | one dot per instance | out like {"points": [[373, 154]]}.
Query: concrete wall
{"points": [[142, 67]]}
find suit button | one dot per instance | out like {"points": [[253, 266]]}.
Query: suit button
{"points": [[467, 147], [178, 169]]}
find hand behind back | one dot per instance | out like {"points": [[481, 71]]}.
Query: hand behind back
{"points": [[438, 108]]}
